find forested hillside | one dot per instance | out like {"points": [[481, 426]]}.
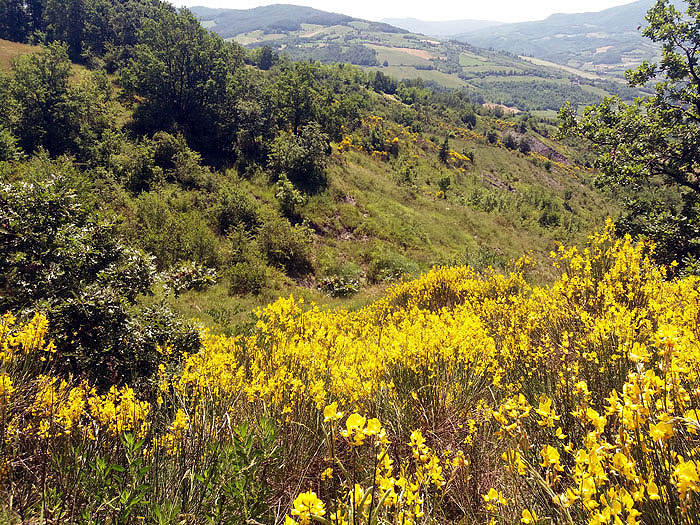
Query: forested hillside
{"points": [[607, 42], [160, 185], [243, 174], [486, 75]]}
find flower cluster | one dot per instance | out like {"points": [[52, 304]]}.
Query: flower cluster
{"points": [[455, 395]]}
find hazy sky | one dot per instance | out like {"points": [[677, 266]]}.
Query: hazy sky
{"points": [[500, 10]]}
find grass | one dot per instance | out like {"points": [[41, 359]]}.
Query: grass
{"points": [[407, 72], [470, 60], [491, 213], [398, 57], [568, 69], [11, 50]]}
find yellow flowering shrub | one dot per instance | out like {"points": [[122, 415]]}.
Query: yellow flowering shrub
{"points": [[24, 340], [455, 396], [382, 493]]}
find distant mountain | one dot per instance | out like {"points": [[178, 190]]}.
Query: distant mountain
{"points": [[304, 34], [446, 28], [605, 41], [272, 19]]}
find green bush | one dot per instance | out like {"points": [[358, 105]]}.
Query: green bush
{"points": [[288, 196], [161, 228], [179, 163], [524, 146], [444, 183], [62, 258], [387, 266], [134, 165], [549, 219], [301, 157], [285, 246], [339, 286], [233, 208], [189, 275], [481, 257], [510, 142], [9, 146], [247, 277], [339, 279]]}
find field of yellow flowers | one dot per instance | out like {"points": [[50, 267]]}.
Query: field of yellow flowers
{"points": [[457, 398]]}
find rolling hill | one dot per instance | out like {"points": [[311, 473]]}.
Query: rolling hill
{"points": [[488, 76], [607, 42], [273, 19], [445, 28]]}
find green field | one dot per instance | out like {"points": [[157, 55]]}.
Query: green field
{"points": [[568, 69], [407, 72], [398, 57], [470, 60]]}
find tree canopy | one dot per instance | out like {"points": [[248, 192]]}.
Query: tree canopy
{"points": [[649, 151]]}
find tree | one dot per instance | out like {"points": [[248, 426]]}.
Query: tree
{"points": [[61, 257], [301, 157], [383, 84], [182, 72], [297, 97], [14, 22], [53, 113], [66, 23], [648, 152], [444, 152], [266, 58], [524, 146], [469, 117], [510, 142]]}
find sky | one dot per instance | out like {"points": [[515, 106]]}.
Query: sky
{"points": [[433, 10]]}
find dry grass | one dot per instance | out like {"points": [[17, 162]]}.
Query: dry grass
{"points": [[11, 50]]}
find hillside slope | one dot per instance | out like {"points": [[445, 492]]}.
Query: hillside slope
{"points": [[445, 28], [398, 209], [270, 19], [607, 41], [487, 76]]}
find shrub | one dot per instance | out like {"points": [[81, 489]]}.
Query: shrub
{"points": [[170, 234], [510, 142], [339, 279], [386, 266], [524, 146], [189, 275], [285, 246], [9, 146], [61, 258], [444, 152], [301, 157], [233, 208], [549, 218], [444, 183], [247, 277], [179, 163], [469, 118], [288, 196]]}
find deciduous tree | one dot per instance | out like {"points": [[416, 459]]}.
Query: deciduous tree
{"points": [[648, 152]]}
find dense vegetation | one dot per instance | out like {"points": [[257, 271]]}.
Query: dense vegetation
{"points": [[164, 173], [273, 19], [454, 397], [179, 162], [648, 151]]}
